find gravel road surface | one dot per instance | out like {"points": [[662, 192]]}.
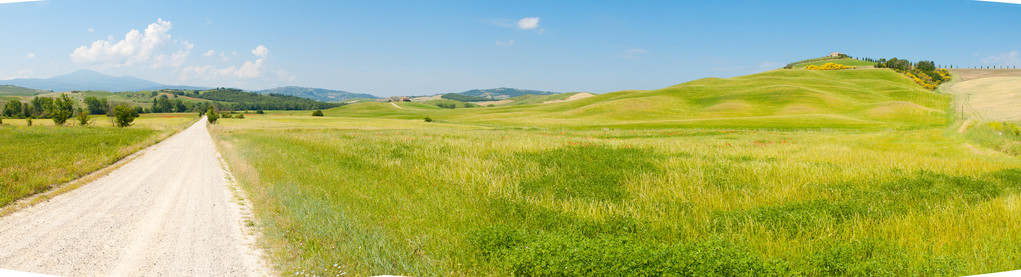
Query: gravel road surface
{"points": [[169, 212]]}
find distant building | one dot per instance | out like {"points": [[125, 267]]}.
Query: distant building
{"points": [[398, 99], [837, 54]]}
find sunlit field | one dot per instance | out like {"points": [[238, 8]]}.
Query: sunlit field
{"points": [[367, 196]]}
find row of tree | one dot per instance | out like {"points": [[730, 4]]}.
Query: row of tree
{"points": [[62, 108], [59, 108]]}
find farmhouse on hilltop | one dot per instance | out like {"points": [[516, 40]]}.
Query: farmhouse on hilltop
{"points": [[398, 99], [837, 54]]}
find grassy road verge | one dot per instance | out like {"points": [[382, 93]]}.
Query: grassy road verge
{"points": [[38, 157]]}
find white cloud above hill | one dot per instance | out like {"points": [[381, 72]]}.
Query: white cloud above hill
{"points": [[154, 47]]}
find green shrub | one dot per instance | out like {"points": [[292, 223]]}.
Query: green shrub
{"points": [[566, 254], [124, 115], [428, 119], [211, 114], [260, 112], [83, 118], [28, 121], [317, 113]]}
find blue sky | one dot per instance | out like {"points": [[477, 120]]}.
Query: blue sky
{"points": [[423, 47]]}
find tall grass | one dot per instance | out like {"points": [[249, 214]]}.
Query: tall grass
{"points": [[385, 196], [38, 157]]}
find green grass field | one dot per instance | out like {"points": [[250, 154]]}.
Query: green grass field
{"points": [[539, 99], [712, 177], [37, 157], [780, 99]]}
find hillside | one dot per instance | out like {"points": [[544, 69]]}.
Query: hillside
{"points": [[502, 93], [317, 94], [19, 91], [987, 94], [868, 98]]}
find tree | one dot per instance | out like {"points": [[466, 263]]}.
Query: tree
{"points": [[926, 66], [94, 105], [211, 114], [317, 113], [124, 115], [63, 107], [179, 105], [13, 108], [83, 118], [162, 104], [42, 106]]}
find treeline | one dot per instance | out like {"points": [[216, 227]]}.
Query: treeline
{"points": [[464, 98], [62, 107], [236, 99], [924, 73]]}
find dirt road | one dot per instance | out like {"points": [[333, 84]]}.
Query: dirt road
{"points": [[169, 212]]}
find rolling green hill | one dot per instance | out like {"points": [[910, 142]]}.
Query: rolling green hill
{"points": [[539, 99], [502, 93], [19, 91], [784, 99], [847, 62], [317, 94]]}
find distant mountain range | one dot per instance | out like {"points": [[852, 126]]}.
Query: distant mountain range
{"points": [[503, 93], [90, 80], [318, 94], [85, 79]]}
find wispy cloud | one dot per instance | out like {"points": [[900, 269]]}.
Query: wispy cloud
{"points": [[1012, 58], [17, 1], [528, 23], [30, 55], [209, 53], [630, 53], [248, 70], [505, 43], [1002, 1]]}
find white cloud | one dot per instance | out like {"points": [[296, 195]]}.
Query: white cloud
{"points": [[629, 53], [173, 60], [154, 45], [247, 70], [505, 43], [209, 53], [17, 1], [90, 30], [1011, 58], [260, 51], [30, 55], [528, 23], [1002, 1]]}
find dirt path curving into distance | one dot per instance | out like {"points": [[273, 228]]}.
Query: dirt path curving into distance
{"points": [[170, 212]]}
